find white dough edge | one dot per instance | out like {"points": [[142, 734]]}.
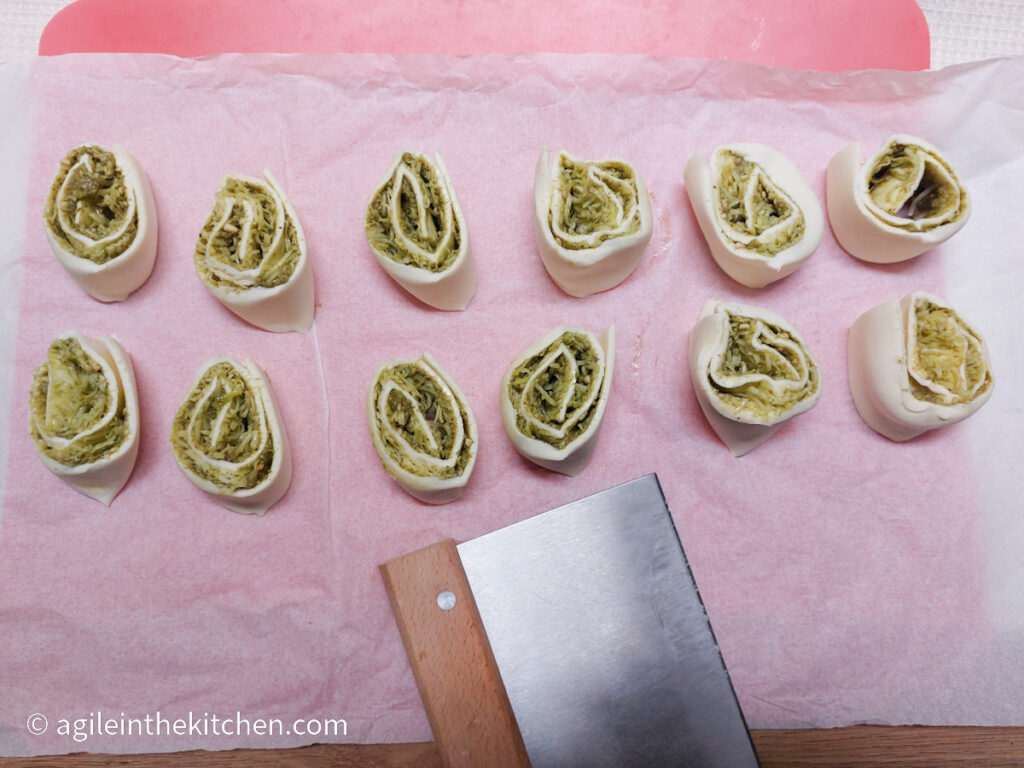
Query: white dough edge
{"points": [[102, 480], [586, 271], [746, 267], [878, 377], [574, 457], [430, 490], [861, 233], [740, 434], [258, 499], [282, 308], [450, 289], [119, 277]]}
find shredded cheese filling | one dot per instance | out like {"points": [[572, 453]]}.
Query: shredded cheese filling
{"points": [[762, 371], [90, 210], [556, 392]]}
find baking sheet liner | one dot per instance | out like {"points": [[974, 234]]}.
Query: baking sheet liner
{"points": [[848, 579]]}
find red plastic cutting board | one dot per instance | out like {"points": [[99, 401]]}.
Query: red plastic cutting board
{"points": [[831, 35]]}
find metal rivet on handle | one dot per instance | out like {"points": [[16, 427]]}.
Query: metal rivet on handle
{"points": [[446, 600]]}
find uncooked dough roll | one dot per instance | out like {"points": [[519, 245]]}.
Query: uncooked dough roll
{"points": [[228, 437], [902, 202], [554, 395], [101, 221], [417, 232], [757, 212], [251, 255], [916, 365], [592, 221], [423, 429], [751, 371], [84, 414]]}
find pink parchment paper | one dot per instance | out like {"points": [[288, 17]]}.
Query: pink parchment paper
{"points": [[845, 575]]}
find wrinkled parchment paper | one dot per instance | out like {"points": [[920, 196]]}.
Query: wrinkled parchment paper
{"points": [[848, 579]]}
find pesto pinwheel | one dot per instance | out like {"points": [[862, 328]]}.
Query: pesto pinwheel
{"points": [[251, 255], [84, 414], [902, 202], [554, 396], [751, 371], [916, 365], [417, 232], [101, 221], [422, 428], [229, 439], [757, 212], [592, 221]]}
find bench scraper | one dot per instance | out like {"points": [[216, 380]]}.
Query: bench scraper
{"points": [[573, 638]]}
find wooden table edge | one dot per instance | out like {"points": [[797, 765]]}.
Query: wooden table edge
{"points": [[860, 745]]}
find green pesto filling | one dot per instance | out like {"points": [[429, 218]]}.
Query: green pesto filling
{"points": [[769, 208], [275, 262], [589, 207], [96, 203], [70, 396], [771, 358], [906, 183], [227, 428], [543, 399], [949, 354], [441, 421], [380, 230]]}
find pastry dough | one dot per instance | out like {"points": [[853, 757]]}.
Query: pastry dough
{"points": [[916, 365], [902, 202], [592, 221], [229, 440], [554, 395], [417, 232], [751, 371], [84, 414], [423, 429], [101, 221], [251, 255], [757, 212]]}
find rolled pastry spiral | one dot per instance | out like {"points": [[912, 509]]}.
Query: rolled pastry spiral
{"points": [[251, 255], [554, 396], [229, 439], [757, 212], [101, 221], [592, 221], [916, 365], [422, 428], [417, 232], [900, 203], [84, 414], [751, 371]]}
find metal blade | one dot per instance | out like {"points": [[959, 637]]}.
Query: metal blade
{"points": [[602, 640]]}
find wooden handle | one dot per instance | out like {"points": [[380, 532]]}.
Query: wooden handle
{"points": [[458, 679]]}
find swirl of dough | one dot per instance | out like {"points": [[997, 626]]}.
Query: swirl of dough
{"points": [[916, 365], [758, 214], [422, 428], [902, 202], [101, 221], [84, 414], [592, 221], [554, 395], [751, 371], [251, 255], [417, 232], [229, 440]]}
